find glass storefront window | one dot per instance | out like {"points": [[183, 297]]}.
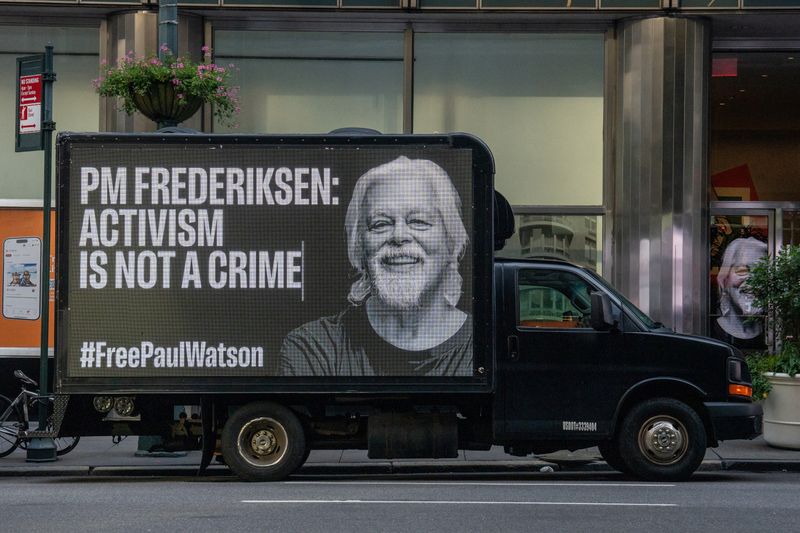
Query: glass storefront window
{"points": [[76, 107], [791, 228], [574, 238], [535, 99], [754, 127], [314, 82]]}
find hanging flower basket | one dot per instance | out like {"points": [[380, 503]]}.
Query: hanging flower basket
{"points": [[169, 90], [160, 103]]}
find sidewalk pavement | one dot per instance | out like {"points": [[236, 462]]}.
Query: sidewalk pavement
{"points": [[99, 456]]}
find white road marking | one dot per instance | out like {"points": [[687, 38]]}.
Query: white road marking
{"points": [[465, 502], [480, 483]]}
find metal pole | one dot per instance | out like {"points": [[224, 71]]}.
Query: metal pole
{"points": [[43, 449], [48, 77], [168, 26], [167, 35]]}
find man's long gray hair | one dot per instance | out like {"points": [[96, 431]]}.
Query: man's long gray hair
{"points": [[446, 199]]}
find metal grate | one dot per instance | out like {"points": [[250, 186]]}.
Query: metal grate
{"points": [[54, 421]]}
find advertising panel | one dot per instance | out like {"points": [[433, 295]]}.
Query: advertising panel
{"points": [[21, 280], [251, 260], [20, 329], [737, 244]]}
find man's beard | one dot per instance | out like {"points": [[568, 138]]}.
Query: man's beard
{"points": [[402, 290], [744, 301]]}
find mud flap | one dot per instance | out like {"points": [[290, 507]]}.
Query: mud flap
{"points": [[209, 434]]}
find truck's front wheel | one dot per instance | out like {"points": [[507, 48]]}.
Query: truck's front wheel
{"points": [[662, 439], [263, 442]]}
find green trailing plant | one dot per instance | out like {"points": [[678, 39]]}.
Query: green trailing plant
{"points": [[206, 81], [774, 283]]}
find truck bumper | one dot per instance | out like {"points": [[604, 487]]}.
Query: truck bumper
{"points": [[735, 420]]}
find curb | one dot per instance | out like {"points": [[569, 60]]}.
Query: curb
{"points": [[44, 471], [386, 468], [760, 465]]}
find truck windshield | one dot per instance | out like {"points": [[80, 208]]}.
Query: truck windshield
{"points": [[648, 322]]}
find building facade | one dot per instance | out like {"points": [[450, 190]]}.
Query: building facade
{"points": [[636, 137]]}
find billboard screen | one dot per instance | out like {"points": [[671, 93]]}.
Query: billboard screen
{"points": [[252, 260]]}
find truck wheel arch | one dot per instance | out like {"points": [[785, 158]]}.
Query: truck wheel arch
{"points": [[665, 387]]}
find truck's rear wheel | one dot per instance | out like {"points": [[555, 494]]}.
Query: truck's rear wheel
{"points": [[263, 442], [662, 439]]}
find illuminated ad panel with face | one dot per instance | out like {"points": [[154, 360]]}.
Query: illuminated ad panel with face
{"points": [[287, 260]]}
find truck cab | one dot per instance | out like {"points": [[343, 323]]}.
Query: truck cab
{"points": [[578, 365]]}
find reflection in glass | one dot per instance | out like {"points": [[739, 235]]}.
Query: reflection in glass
{"points": [[314, 82], [573, 238], [553, 300], [535, 99]]}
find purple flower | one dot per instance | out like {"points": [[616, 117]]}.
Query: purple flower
{"points": [[176, 81], [164, 47], [180, 96]]}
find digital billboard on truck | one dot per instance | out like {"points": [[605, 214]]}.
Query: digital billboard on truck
{"points": [[248, 258]]}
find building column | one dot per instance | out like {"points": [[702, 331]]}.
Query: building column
{"points": [[659, 193], [137, 31]]}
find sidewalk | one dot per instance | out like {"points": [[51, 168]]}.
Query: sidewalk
{"points": [[98, 456]]}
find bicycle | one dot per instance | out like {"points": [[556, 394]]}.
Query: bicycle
{"points": [[14, 420]]}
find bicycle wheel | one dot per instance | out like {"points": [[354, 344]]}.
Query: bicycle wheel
{"points": [[64, 445], [9, 428]]}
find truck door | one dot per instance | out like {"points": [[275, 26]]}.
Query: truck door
{"points": [[561, 378]]}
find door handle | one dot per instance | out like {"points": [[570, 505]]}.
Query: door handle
{"points": [[513, 347]]}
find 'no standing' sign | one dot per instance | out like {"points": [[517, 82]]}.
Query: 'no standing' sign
{"points": [[28, 132]]}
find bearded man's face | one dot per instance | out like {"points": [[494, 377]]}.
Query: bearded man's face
{"points": [[405, 243], [736, 282]]}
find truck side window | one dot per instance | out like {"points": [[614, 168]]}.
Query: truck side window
{"points": [[553, 299]]}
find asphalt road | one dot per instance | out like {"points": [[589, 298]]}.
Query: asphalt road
{"points": [[718, 501]]}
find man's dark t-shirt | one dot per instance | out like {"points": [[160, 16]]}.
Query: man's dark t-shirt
{"points": [[346, 345]]}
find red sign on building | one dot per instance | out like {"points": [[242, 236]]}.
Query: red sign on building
{"points": [[30, 103]]}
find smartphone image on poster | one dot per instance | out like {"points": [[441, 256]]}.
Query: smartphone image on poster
{"points": [[22, 280]]}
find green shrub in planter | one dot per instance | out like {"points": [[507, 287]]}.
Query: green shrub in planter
{"points": [[774, 283]]}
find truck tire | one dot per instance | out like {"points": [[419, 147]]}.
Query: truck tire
{"points": [[662, 439], [263, 441], [610, 451]]}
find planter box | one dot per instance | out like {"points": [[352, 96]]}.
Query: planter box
{"points": [[782, 411], [162, 105]]}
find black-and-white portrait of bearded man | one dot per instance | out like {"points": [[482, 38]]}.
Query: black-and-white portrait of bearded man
{"points": [[405, 238], [736, 307]]}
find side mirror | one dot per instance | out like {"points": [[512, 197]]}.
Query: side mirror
{"points": [[503, 221], [602, 318]]}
